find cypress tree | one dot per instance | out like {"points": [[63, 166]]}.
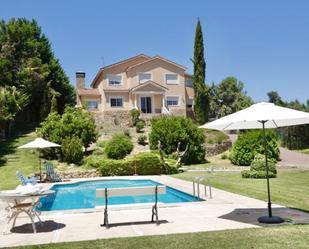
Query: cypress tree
{"points": [[201, 102]]}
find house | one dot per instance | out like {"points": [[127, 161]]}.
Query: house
{"points": [[154, 85]]}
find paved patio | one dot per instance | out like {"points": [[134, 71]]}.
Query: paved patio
{"points": [[225, 211]]}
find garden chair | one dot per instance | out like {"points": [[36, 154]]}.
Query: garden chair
{"points": [[25, 180], [51, 175]]}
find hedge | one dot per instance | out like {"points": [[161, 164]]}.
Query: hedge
{"points": [[144, 163]]}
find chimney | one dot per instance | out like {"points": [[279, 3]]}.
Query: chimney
{"points": [[80, 80]]}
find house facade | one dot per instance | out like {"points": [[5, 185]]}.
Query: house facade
{"points": [[154, 85]]}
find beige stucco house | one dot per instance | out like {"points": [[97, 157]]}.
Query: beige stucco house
{"points": [[154, 85]]}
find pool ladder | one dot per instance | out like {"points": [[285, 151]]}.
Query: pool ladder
{"points": [[196, 184]]}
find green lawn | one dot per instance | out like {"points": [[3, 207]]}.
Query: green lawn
{"points": [[13, 159], [290, 188], [267, 238]]}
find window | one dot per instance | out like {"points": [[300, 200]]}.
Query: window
{"points": [[190, 102], [171, 79], [114, 80], [172, 101], [116, 102], [189, 82], [92, 104], [144, 77]]}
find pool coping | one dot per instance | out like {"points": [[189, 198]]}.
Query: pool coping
{"points": [[119, 207]]}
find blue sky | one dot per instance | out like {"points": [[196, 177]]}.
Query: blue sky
{"points": [[263, 43]]}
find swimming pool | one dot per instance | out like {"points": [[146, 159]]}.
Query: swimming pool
{"points": [[82, 195]]}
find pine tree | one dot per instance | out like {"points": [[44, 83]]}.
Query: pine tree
{"points": [[201, 102], [28, 63]]}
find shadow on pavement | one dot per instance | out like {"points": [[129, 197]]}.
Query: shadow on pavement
{"points": [[47, 226], [250, 215], [136, 223]]}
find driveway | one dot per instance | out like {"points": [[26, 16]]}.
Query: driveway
{"points": [[291, 158]]}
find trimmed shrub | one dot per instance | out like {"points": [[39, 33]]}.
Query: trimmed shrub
{"points": [[135, 114], [111, 167], [258, 164], [72, 150], [146, 163], [142, 139], [256, 174], [127, 132], [118, 147], [140, 125], [258, 168], [250, 143], [93, 162], [170, 130]]}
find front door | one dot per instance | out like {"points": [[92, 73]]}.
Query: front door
{"points": [[146, 105]]}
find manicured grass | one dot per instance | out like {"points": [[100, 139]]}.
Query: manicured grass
{"points": [[290, 188], [295, 237], [215, 162], [13, 159]]}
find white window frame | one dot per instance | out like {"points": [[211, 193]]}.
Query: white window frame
{"points": [[139, 80], [110, 75], [174, 83], [172, 96], [115, 97], [186, 82], [90, 100]]}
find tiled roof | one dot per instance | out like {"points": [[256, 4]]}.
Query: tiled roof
{"points": [[92, 91], [149, 82], [158, 58]]}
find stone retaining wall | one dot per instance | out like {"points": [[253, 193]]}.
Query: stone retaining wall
{"points": [[79, 174], [112, 117], [179, 112], [124, 118], [216, 149]]}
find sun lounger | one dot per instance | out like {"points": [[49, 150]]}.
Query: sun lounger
{"points": [[25, 180], [51, 175], [134, 191]]}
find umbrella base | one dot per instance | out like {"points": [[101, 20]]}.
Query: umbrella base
{"points": [[270, 220]]}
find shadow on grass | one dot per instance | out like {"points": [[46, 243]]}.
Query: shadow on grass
{"points": [[250, 215], [45, 227], [9, 146]]}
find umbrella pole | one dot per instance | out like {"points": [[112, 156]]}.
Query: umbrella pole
{"points": [[40, 165], [267, 171], [270, 218]]}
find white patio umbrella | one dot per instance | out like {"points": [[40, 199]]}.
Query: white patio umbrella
{"points": [[39, 143], [261, 116]]}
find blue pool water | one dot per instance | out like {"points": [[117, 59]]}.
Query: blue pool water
{"points": [[83, 195]]}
